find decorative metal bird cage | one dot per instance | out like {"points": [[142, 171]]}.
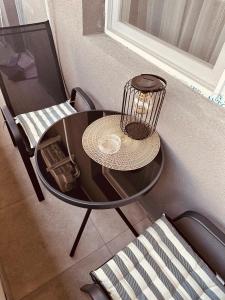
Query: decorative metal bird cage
{"points": [[142, 101]]}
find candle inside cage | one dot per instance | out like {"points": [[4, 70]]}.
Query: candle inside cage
{"points": [[143, 103]]}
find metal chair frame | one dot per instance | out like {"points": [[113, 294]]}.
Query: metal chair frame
{"points": [[16, 133]]}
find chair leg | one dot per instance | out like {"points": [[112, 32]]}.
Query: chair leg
{"points": [[18, 141], [32, 174]]}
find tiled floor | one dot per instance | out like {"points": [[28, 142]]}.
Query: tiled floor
{"points": [[35, 238]]}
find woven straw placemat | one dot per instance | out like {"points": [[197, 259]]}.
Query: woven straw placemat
{"points": [[133, 154]]}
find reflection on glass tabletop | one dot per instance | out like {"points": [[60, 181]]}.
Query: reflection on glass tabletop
{"points": [[96, 186]]}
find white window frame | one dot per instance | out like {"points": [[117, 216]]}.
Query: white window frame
{"points": [[206, 79]]}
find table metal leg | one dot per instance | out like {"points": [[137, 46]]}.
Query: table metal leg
{"points": [[80, 232], [126, 221]]}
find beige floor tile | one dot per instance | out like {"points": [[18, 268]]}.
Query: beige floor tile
{"points": [[126, 237], [66, 286], [108, 223], [134, 212], [36, 239], [14, 181], [143, 225], [4, 134]]}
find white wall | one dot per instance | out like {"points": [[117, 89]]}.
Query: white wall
{"points": [[192, 128], [31, 11]]}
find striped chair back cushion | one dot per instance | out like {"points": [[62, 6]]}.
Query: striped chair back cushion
{"points": [[37, 122], [159, 264]]}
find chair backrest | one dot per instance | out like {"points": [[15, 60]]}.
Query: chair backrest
{"points": [[30, 77], [205, 238]]}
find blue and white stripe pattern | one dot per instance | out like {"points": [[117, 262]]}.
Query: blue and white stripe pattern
{"points": [[37, 122], [159, 264]]}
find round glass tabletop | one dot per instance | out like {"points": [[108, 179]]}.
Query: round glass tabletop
{"points": [[97, 187]]}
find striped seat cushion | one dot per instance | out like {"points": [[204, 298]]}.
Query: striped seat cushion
{"points": [[37, 122], [159, 264]]}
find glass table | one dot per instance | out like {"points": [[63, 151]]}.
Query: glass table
{"points": [[97, 187]]}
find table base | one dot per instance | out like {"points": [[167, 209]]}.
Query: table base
{"points": [[82, 227]]}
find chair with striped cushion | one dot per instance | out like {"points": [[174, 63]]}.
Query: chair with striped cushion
{"points": [[161, 264], [33, 88], [35, 123]]}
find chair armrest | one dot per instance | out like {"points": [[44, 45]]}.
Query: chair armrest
{"points": [[94, 291], [205, 238], [12, 126], [81, 100]]}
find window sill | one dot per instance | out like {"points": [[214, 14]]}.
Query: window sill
{"points": [[123, 54]]}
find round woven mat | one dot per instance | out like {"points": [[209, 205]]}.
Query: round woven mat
{"points": [[133, 154]]}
